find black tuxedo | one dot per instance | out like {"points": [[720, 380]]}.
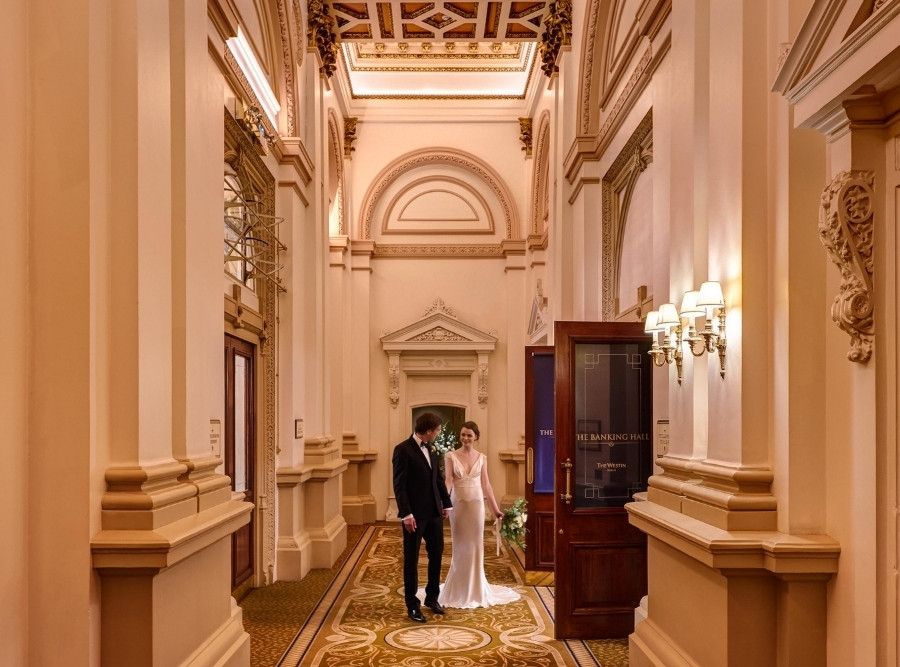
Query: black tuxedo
{"points": [[420, 491]]}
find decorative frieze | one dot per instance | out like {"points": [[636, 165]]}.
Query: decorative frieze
{"points": [[482, 382], [846, 229]]}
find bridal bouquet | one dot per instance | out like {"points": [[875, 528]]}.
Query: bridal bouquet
{"points": [[445, 442], [512, 524]]}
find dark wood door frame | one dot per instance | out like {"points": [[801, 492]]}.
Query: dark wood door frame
{"points": [[601, 560], [540, 531], [243, 542]]}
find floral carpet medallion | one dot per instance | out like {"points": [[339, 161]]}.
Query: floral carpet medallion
{"points": [[361, 621]]}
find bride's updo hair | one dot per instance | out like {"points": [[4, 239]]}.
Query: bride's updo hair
{"points": [[472, 426]]}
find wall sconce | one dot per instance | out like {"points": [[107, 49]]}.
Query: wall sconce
{"points": [[678, 328]]}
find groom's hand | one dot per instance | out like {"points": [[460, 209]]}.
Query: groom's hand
{"points": [[409, 524], [445, 512]]}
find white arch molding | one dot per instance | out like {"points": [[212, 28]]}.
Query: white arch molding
{"points": [[450, 157]]}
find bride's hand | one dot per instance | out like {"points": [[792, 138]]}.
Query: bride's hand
{"points": [[499, 515]]}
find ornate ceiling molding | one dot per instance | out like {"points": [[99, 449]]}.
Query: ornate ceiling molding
{"points": [[437, 156], [439, 20], [846, 229]]}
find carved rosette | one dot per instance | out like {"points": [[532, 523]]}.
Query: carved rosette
{"points": [[482, 383], [394, 380], [846, 228]]}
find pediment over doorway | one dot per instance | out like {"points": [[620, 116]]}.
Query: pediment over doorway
{"points": [[438, 329]]}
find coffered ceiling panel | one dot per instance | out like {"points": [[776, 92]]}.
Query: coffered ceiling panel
{"points": [[501, 21]]}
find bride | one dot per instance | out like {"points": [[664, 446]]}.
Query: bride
{"points": [[467, 480]]}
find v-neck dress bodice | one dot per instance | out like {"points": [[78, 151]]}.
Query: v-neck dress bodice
{"points": [[466, 586]]}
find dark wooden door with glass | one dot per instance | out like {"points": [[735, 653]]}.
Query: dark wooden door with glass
{"points": [[540, 461], [240, 449], [603, 457]]}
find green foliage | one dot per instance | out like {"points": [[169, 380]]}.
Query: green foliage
{"points": [[512, 525]]}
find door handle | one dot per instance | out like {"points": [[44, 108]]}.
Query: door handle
{"points": [[567, 496], [529, 465]]}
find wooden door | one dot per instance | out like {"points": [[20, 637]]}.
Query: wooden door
{"points": [[603, 456], [540, 457], [240, 451]]}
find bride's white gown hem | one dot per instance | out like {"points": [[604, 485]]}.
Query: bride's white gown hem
{"points": [[466, 586]]}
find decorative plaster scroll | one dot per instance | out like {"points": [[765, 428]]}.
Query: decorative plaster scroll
{"points": [[298, 32], [618, 184], [438, 334], [430, 157], [846, 229], [336, 155], [482, 383], [540, 191], [394, 380], [288, 64], [539, 310], [438, 306]]}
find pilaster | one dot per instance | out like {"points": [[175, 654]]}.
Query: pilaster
{"points": [[323, 502], [358, 501]]}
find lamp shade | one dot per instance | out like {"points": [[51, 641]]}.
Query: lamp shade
{"points": [[689, 307], [651, 324], [668, 316], [710, 295]]}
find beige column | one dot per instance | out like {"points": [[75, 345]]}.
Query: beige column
{"points": [[680, 138], [512, 452], [197, 376], [293, 551], [736, 473], [360, 503], [161, 533]]}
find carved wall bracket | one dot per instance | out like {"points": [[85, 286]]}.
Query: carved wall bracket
{"points": [[557, 32], [321, 35], [846, 229], [525, 135], [349, 135]]}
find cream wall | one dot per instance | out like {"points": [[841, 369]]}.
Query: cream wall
{"points": [[401, 292], [15, 338], [480, 290]]}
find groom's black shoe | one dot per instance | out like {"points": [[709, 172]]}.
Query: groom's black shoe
{"points": [[435, 606], [416, 615]]}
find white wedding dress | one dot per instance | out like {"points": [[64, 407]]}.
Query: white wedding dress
{"points": [[467, 586]]}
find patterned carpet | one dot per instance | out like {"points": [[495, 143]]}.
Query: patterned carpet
{"points": [[353, 615]]}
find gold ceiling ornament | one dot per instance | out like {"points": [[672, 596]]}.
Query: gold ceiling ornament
{"points": [[557, 31], [322, 37], [349, 135], [846, 229], [525, 135]]}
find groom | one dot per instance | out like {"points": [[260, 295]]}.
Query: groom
{"points": [[422, 503]]}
